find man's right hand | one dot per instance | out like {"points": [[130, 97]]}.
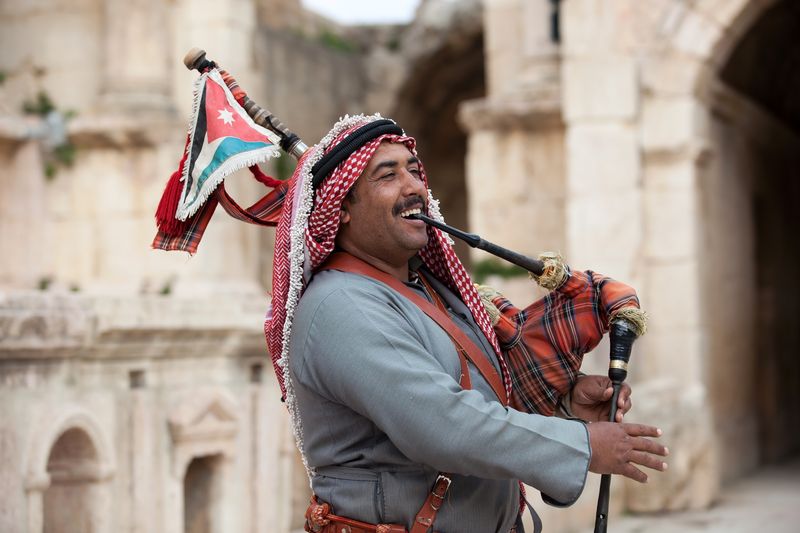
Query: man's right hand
{"points": [[616, 448]]}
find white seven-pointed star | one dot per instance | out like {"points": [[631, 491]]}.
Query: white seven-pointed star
{"points": [[226, 116]]}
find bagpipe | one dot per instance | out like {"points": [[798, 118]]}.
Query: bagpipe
{"points": [[543, 344]]}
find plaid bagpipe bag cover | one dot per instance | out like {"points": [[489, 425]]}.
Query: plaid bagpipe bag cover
{"points": [[544, 343]]}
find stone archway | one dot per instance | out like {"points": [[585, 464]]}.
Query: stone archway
{"points": [[201, 494], [756, 131], [69, 469], [717, 154], [69, 500], [204, 426], [446, 69]]}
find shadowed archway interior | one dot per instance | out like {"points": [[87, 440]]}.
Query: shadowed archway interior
{"points": [[201, 493], [427, 109], [752, 201], [69, 500]]}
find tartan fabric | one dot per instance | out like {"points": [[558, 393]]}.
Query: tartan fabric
{"points": [[189, 240], [264, 212], [545, 342]]}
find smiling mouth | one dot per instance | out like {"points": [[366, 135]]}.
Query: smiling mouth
{"points": [[408, 212]]}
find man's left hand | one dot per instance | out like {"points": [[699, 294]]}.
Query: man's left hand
{"points": [[591, 399]]}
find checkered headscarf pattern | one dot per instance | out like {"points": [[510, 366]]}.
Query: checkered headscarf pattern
{"points": [[319, 227]]}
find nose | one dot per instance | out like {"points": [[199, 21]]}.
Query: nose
{"points": [[413, 184]]}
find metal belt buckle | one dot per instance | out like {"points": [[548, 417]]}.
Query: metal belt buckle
{"points": [[446, 481]]}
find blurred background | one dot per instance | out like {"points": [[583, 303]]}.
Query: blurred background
{"points": [[655, 141]]}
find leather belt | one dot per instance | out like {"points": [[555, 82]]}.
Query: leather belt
{"points": [[319, 518]]}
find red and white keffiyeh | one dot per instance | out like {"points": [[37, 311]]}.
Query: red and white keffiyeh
{"points": [[306, 236]]}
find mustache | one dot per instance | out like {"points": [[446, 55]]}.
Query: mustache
{"points": [[412, 202]]}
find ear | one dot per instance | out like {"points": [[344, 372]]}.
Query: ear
{"points": [[344, 213]]}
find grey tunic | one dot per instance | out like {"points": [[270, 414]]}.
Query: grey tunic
{"points": [[376, 383]]}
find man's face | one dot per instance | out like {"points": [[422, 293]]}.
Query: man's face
{"points": [[373, 225]]}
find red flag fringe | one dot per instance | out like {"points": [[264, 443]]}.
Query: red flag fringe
{"points": [[168, 206], [269, 181]]}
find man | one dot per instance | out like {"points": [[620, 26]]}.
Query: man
{"points": [[400, 423]]}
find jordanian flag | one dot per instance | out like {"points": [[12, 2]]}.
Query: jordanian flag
{"points": [[223, 139]]}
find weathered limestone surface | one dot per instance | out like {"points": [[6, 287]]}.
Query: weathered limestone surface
{"points": [[659, 192], [139, 377], [681, 410], [620, 145]]}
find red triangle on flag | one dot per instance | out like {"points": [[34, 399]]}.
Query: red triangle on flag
{"points": [[223, 120]]}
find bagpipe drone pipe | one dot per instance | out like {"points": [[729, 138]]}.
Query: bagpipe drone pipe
{"points": [[543, 344]]}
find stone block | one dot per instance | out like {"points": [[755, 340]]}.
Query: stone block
{"points": [[603, 158], [100, 185], [73, 247], [668, 123], [587, 26], [671, 212], [726, 12], [604, 87], [737, 441], [692, 479], [119, 255], [672, 74], [604, 233], [677, 352], [673, 293], [697, 34], [517, 164], [25, 264], [224, 261], [502, 37], [37, 320]]}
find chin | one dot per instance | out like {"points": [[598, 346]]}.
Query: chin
{"points": [[419, 245]]}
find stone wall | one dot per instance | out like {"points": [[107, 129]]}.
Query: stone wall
{"points": [[121, 366], [151, 383], [617, 145], [661, 166]]}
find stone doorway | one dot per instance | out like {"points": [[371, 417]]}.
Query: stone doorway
{"points": [[201, 495], [70, 502], [751, 201]]}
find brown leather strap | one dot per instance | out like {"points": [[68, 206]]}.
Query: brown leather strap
{"points": [[427, 514], [319, 519], [465, 380], [348, 263]]}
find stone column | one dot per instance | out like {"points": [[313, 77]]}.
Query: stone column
{"points": [[35, 498], [601, 103], [515, 152], [136, 58], [142, 495], [632, 213]]}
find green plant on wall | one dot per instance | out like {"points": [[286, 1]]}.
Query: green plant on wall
{"points": [[483, 269], [41, 106], [284, 166], [337, 42], [60, 152]]}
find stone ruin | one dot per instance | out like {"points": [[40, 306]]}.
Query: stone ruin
{"points": [[655, 142]]}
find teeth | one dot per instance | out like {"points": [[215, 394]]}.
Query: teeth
{"points": [[405, 214]]}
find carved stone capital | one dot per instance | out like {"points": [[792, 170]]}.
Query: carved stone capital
{"points": [[509, 114]]}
